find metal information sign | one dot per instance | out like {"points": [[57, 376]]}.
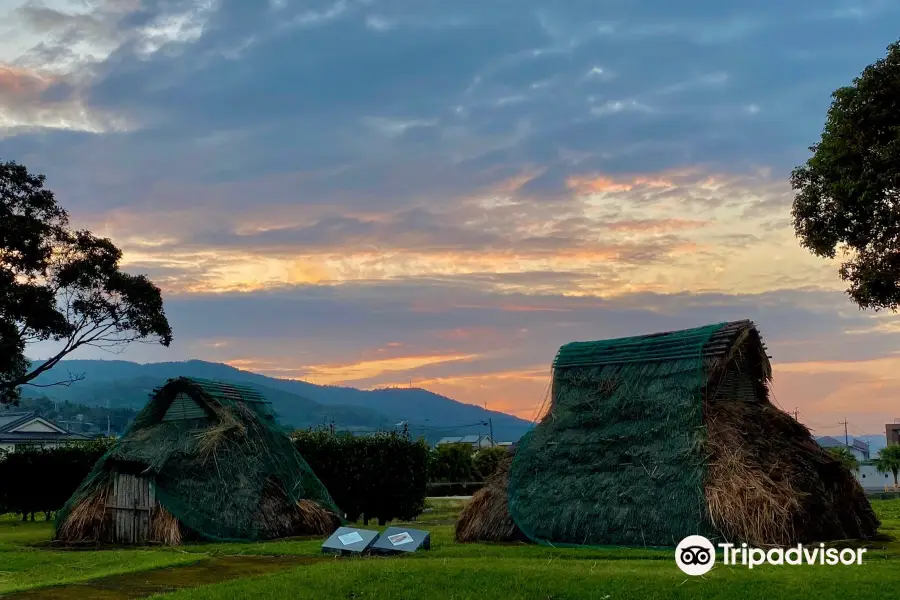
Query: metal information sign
{"points": [[349, 540], [395, 540]]}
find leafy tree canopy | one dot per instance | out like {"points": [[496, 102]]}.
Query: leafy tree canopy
{"points": [[888, 460], [846, 457], [848, 193], [63, 285]]}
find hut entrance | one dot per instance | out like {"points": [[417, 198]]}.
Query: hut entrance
{"points": [[130, 503]]}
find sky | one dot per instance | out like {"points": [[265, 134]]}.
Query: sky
{"points": [[396, 192]]}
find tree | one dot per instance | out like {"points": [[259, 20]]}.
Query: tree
{"points": [[451, 462], [486, 461], [61, 284], [888, 460], [848, 193], [843, 454]]}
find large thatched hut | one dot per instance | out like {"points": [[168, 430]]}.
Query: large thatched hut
{"points": [[653, 438], [203, 459]]}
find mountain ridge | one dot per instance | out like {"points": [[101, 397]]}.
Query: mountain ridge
{"points": [[297, 402]]}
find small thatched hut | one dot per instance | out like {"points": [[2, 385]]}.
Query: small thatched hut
{"points": [[203, 460], [486, 516], [650, 439]]}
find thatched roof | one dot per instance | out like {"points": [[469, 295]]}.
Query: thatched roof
{"points": [[622, 455], [709, 341], [219, 462]]}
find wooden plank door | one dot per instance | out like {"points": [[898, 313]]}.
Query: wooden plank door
{"points": [[130, 503]]}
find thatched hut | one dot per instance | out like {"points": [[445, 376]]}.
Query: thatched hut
{"points": [[203, 460], [650, 439], [486, 516]]}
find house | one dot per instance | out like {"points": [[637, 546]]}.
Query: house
{"points": [[871, 479], [504, 444], [858, 448], [892, 433], [20, 430], [476, 441]]}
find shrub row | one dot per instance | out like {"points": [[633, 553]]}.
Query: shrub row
{"points": [[42, 480], [452, 463], [381, 476]]}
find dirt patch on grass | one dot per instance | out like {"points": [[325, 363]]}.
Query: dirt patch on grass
{"points": [[146, 583]]}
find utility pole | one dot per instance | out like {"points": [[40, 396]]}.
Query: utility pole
{"points": [[846, 437], [491, 426], [796, 414]]}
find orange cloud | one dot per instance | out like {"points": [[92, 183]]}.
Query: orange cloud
{"points": [[331, 374], [828, 392], [21, 82], [599, 184]]}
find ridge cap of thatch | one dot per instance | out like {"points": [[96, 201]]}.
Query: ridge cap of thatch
{"points": [[711, 340]]}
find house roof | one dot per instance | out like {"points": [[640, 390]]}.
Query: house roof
{"points": [[826, 441], [468, 439], [15, 437], [450, 440], [10, 420], [860, 445], [707, 341]]}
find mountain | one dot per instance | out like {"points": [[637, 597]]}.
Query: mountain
{"points": [[299, 403]]}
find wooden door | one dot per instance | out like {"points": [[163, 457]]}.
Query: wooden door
{"points": [[130, 503]]}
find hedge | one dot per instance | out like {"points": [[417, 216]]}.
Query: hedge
{"points": [[42, 480], [381, 476]]}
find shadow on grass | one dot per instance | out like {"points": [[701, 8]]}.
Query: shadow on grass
{"points": [[157, 581]]}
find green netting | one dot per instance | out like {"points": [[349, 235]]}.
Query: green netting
{"points": [[618, 460], [233, 475]]}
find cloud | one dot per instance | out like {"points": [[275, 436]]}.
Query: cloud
{"points": [[33, 100], [362, 185], [457, 337]]}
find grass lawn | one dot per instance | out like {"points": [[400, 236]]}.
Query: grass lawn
{"points": [[456, 571]]}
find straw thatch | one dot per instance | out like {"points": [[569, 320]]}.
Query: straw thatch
{"points": [[770, 483], [634, 451], [486, 516], [219, 468]]}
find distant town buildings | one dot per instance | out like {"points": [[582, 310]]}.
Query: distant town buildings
{"points": [[858, 448], [20, 430], [476, 441]]}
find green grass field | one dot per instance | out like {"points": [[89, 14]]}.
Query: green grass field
{"points": [[449, 571]]}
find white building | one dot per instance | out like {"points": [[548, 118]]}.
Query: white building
{"points": [[857, 448], [476, 441], [872, 479], [20, 430]]}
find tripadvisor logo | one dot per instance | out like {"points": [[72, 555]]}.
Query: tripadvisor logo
{"points": [[696, 555]]}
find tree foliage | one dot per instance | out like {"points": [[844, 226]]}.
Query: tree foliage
{"points": [[848, 193], [380, 476], [847, 458], [452, 462], [888, 460], [486, 460], [61, 284]]}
